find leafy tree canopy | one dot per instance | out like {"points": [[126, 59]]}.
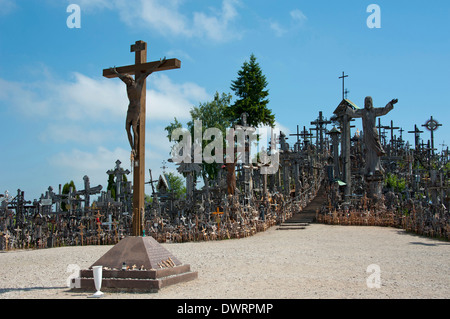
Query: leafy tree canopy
{"points": [[212, 114], [177, 184]]}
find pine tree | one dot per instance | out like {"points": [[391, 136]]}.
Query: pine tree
{"points": [[250, 88]]}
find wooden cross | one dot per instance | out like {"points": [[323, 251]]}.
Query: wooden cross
{"points": [[304, 134], [116, 223], [141, 66], [401, 130], [343, 84], [319, 123], [392, 128], [98, 216], [217, 213], [81, 227], [17, 231], [298, 137]]}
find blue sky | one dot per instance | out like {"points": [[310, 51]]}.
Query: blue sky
{"points": [[60, 119]]}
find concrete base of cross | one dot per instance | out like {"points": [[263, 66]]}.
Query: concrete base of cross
{"points": [[136, 264]]}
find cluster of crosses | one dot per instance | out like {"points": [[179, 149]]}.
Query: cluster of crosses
{"points": [[403, 185], [372, 173]]}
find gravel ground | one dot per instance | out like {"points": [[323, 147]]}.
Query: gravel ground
{"points": [[321, 261]]}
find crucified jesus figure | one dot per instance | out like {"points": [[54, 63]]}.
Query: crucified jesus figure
{"points": [[134, 89]]}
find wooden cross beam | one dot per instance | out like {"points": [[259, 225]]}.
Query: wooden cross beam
{"points": [[81, 227], [392, 128], [298, 135], [141, 66], [304, 134], [416, 133], [320, 121]]}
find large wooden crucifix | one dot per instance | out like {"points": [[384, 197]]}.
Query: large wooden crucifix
{"points": [[136, 90]]}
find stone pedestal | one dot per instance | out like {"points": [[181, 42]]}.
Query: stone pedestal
{"points": [[375, 185], [154, 268]]}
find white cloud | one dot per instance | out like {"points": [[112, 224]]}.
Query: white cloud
{"points": [[77, 163], [163, 16], [168, 18], [298, 16], [83, 162], [74, 133], [99, 99], [298, 19], [89, 98], [166, 100], [87, 116], [279, 31], [180, 54], [280, 127], [216, 27], [82, 98]]}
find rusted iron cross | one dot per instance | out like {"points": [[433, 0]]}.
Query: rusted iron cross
{"points": [[141, 66]]}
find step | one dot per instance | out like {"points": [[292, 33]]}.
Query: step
{"points": [[290, 228], [294, 223]]}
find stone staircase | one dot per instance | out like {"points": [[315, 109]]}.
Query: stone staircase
{"points": [[307, 216]]}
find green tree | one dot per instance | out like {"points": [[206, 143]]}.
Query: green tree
{"points": [[250, 89], [111, 186], [212, 114], [65, 191], [172, 127], [395, 183], [177, 184]]}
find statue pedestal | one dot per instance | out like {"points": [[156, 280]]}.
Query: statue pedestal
{"points": [[374, 185]]}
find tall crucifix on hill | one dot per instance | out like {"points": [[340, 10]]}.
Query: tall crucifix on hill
{"points": [[135, 121]]}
